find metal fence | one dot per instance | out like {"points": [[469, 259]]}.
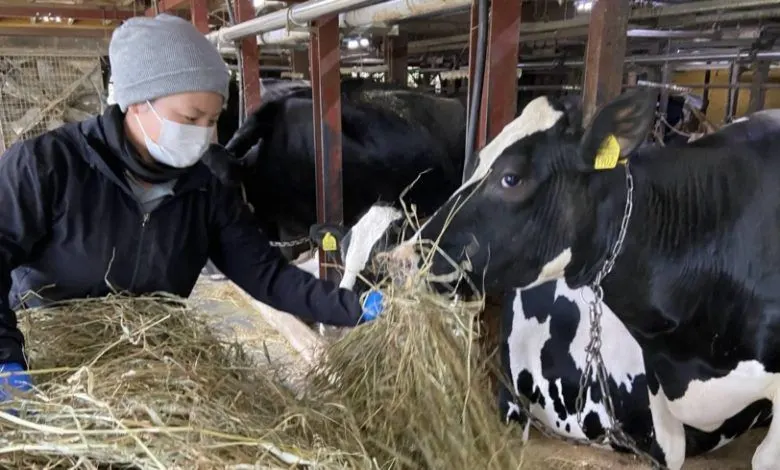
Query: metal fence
{"points": [[42, 92]]}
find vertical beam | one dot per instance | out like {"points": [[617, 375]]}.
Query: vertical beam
{"points": [[705, 96], [199, 15], [757, 90], [499, 105], [250, 61], [732, 98], [300, 63], [605, 54], [396, 58], [499, 90], [324, 57], [499, 94]]}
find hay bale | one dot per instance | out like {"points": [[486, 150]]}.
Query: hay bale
{"points": [[143, 382]]}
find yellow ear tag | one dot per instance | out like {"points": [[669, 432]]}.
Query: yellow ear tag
{"points": [[608, 154], [329, 242]]}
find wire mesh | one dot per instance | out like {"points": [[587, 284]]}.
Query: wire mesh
{"points": [[41, 93]]}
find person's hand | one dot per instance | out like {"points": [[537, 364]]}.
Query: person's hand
{"points": [[19, 380], [372, 306]]}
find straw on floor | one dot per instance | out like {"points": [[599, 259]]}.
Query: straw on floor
{"points": [[142, 382]]}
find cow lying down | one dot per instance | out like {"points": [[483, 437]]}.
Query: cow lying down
{"points": [[545, 331]]}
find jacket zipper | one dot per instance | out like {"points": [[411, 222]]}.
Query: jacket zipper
{"points": [[144, 220]]}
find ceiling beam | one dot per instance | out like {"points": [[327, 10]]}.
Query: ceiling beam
{"points": [[66, 12]]}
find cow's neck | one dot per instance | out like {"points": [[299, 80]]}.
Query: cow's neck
{"points": [[682, 206], [601, 222]]}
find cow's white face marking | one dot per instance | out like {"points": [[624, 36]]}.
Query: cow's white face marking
{"points": [[537, 116], [366, 232], [553, 270]]}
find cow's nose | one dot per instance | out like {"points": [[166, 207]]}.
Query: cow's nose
{"points": [[402, 262]]}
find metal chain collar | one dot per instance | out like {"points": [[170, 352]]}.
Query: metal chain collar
{"points": [[594, 362]]}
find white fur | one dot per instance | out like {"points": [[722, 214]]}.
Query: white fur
{"points": [[553, 270], [621, 353], [366, 232], [537, 116]]}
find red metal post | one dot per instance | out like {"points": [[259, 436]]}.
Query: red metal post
{"points": [[605, 54], [499, 89], [325, 58], [499, 95], [250, 63], [499, 103], [396, 58], [199, 14]]}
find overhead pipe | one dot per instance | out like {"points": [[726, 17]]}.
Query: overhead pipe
{"points": [[298, 14], [459, 40], [395, 10], [654, 59], [349, 17], [692, 8]]}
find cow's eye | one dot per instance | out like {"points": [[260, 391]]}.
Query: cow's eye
{"points": [[510, 180]]}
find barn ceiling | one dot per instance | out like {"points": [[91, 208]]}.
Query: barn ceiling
{"points": [[549, 28]]}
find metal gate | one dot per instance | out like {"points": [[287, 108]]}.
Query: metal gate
{"points": [[41, 92]]}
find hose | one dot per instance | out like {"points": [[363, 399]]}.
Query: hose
{"points": [[475, 101]]}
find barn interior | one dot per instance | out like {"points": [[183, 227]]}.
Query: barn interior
{"points": [[716, 57]]}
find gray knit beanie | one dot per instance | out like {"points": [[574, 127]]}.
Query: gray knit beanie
{"points": [[155, 57]]}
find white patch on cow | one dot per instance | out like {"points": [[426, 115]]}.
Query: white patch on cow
{"points": [[621, 353], [669, 431], [537, 116], [553, 270], [706, 404], [767, 456], [365, 233], [311, 265]]}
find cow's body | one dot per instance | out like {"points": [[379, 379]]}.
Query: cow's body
{"points": [[545, 331], [391, 137], [697, 282]]}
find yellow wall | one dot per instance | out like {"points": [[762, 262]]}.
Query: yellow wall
{"points": [[717, 107]]}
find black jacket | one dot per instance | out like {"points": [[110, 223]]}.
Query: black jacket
{"points": [[69, 222]]}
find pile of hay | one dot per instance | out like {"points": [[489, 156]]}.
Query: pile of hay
{"points": [[143, 383]]}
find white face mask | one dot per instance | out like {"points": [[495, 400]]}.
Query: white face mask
{"points": [[179, 145]]}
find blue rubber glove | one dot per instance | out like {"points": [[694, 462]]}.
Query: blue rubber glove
{"points": [[21, 381], [372, 306]]}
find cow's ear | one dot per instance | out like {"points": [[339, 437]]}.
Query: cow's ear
{"points": [[327, 236], [618, 128]]}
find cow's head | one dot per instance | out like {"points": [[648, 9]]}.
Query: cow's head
{"points": [[539, 190], [378, 230]]}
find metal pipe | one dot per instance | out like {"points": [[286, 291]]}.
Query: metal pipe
{"points": [[654, 59], [395, 10], [281, 36], [460, 40], [653, 13], [297, 14]]}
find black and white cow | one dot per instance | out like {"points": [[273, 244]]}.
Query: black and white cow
{"points": [[697, 283], [545, 331], [392, 138]]}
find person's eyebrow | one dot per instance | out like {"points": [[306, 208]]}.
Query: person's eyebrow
{"points": [[204, 113]]}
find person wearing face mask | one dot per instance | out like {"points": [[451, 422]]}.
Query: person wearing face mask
{"points": [[124, 197]]}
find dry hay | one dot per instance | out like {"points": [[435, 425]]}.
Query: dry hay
{"points": [[143, 382]]}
